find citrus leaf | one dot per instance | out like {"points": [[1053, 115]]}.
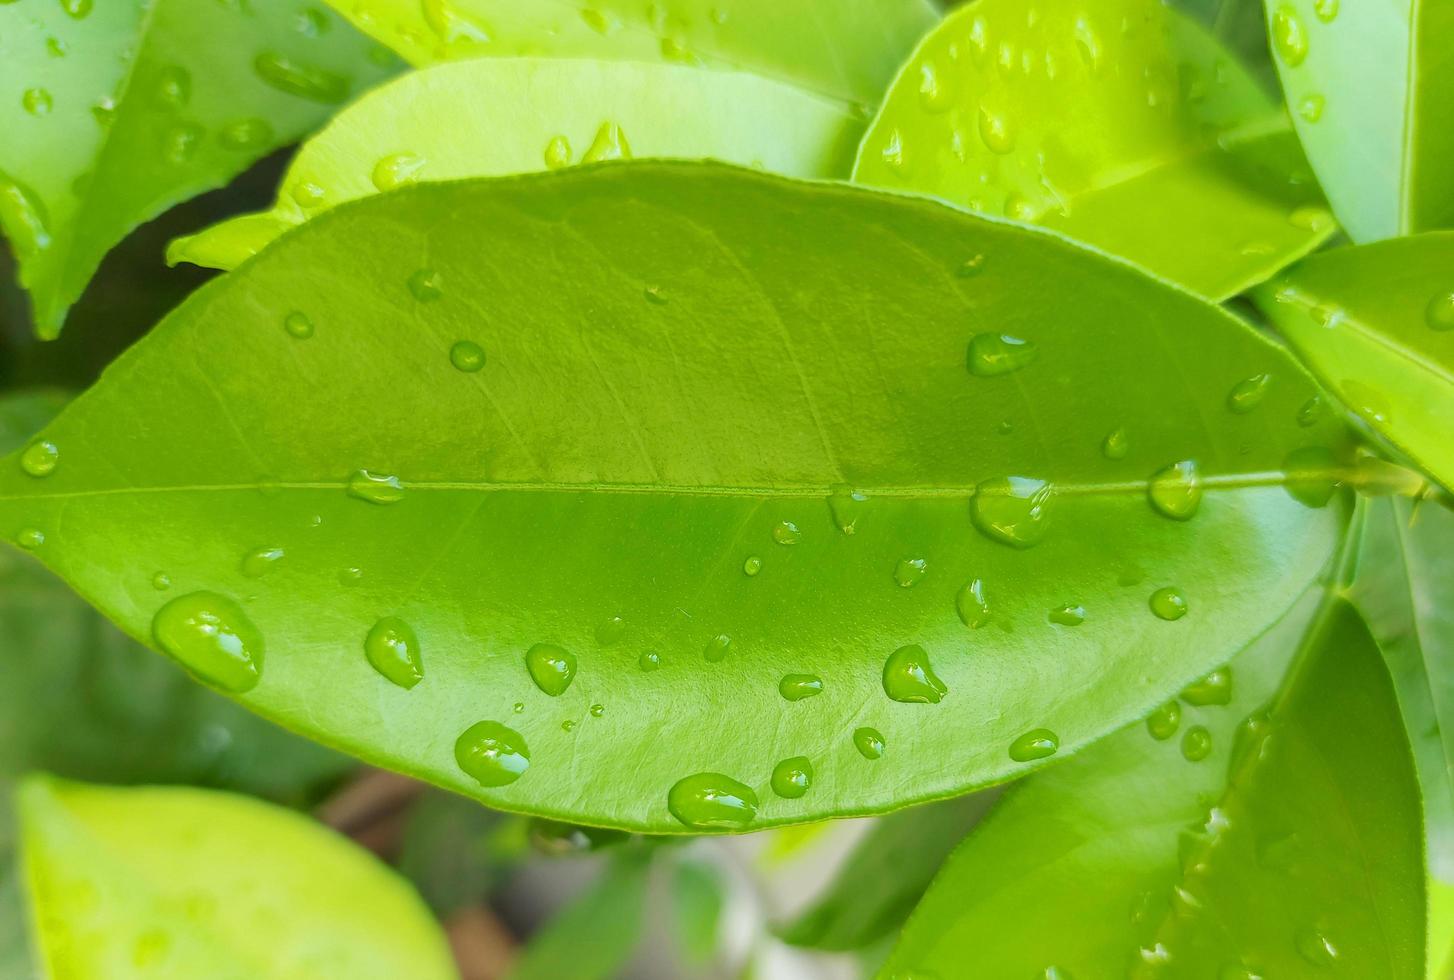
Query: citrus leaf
{"points": [[1376, 324], [568, 531], [849, 54], [114, 112], [1123, 125], [1370, 87], [1291, 847], [537, 114], [182, 882], [593, 936]]}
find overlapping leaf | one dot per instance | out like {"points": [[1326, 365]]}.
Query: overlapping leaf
{"points": [[662, 450]]}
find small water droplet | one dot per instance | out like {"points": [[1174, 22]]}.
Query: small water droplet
{"points": [[908, 677], [376, 488], [519, 707], [393, 650], [1439, 314], [351, 575], [609, 144], [1013, 510], [40, 458], [492, 754], [972, 605], [1327, 10], [36, 101], [910, 571], [710, 799], [244, 134], [993, 354], [1038, 743], [675, 49], [300, 79], [610, 630], [467, 356], [1168, 603], [298, 325], [425, 285], [1067, 615], [551, 667], [792, 777], [1196, 744], [892, 153], [1310, 107], [30, 538], [1316, 948], [796, 687], [1248, 393], [1289, 37], [179, 143], [212, 637], [174, 86], [716, 648], [1175, 491], [846, 507], [1311, 217], [55, 47], [599, 21], [77, 9], [655, 296], [869, 743], [786, 533], [1116, 444], [557, 153], [161, 581], [307, 195], [260, 561], [995, 131], [936, 93], [396, 170], [649, 661], [970, 267], [1310, 412], [568, 725], [597, 710], [1164, 721], [751, 566], [1213, 689]]}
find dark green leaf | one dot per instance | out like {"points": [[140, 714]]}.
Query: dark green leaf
{"points": [[696, 902], [593, 936], [457, 853]]}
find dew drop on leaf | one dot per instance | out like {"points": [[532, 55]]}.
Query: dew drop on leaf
{"points": [[1310, 107], [845, 505], [77, 9], [376, 488], [796, 687], [36, 101], [910, 571], [30, 538], [1116, 444], [1196, 744], [893, 150], [1067, 615], [970, 267], [995, 131], [1175, 491], [174, 86], [972, 605], [24, 217], [260, 561], [425, 285], [792, 777], [392, 649], [303, 80], [935, 91], [244, 134], [1213, 689], [467, 356], [397, 170], [1439, 314], [179, 143], [1316, 948], [1310, 475], [751, 566], [609, 144], [212, 637], [993, 354], [557, 153], [1038, 743], [40, 458], [709, 800], [716, 648], [161, 581], [1164, 721], [297, 325], [1289, 36], [1013, 510], [869, 742], [492, 754], [1168, 603], [1367, 402], [1327, 10], [551, 667], [649, 661], [1311, 217], [786, 533], [352, 575], [909, 678], [1248, 393]]}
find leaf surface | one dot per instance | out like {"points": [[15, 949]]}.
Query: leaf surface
{"points": [[1123, 125], [498, 116], [847, 52], [116, 111], [1376, 324], [1292, 848], [1370, 85], [183, 883], [570, 535]]}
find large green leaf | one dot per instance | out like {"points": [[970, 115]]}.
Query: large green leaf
{"points": [[1121, 124], [1376, 324], [1291, 849], [185, 883], [849, 52], [495, 116], [582, 503], [115, 111], [1372, 89]]}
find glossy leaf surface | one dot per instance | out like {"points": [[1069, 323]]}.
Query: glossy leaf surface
{"points": [[1122, 125], [113, 112], [848, 53], [497, 116], [184, 883], [1371, 86], [1376, 323], [1291, 849], [596, 472]]}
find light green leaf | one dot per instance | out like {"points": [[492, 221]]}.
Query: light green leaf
{"points": [[457, 853], [1240, 27], [1122, 124], [185, 883], [591, 490], [696, 904], [1370, 86], [848, 52], [115, 111], [885, 876], [497, 116], [1376, 324], [1290, 850], [593, 936]]}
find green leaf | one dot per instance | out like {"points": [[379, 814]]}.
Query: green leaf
{"points": [[1240, 27], [696, 901], [183, 882], [1149, 142], [849, 55], [1376, 324], [540, 114], [1291, 849], [613, 456], [1370, 85], [885, 876], [457, 853], [116, 111], [593, 936]]}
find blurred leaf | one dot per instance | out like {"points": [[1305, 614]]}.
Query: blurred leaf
{"points": [[186, 883], [1240, 27], [593, 936], [697, 898], [457, 852]]}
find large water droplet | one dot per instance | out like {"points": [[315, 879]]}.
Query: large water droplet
{"points": [[393, 650], [303, 80], [551, 667], [1168, 603], [1439, 314], [425, 285], [972, 605], [24, 217], [1215, 688], [1013, 510], [792, 777], [910, 571], [1038, 743], [1164, 721], [1067, 615], [846, 506], [40, 458], [212, 637], [396, 170], [869, 742], [467, 356], [1196, 744], [995, 131], [1289, 36], [796, 687], [992, 354], [751, 566], [1176, 490], [492, 754], [259, 561], [376, 488], [786, 533], [649, 661], [36, 101], [710, 799], [1248, 393], [908, 677], [609, 144]]}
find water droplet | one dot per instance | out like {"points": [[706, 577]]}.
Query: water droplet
{"points": [[104, 111], [716, 648], [1289, 37], [910, 571], [244, 134], [751, 566], [1196, 744], [655, 296], [846, 507], [1176, 490], [24, 217], [992, 354], [675, 49], [1088, 42], [1311, 217], [351, 575], [970, 267], [893, 150], [467, 356], [995, 131], [599, 21], [376, 488], [1439, 314], [212, 637], [396, 170], [1310, 412], [492, 754], [174, 86], [597, 710], [1013, 510], [1310, 107], [393, 650], [1168, 603], [649, 661], [1248, 393], [518, 707], [869, 743], [30, 538], [76, 8], [568, 725], [307, 195], [1067, 615], [1116, 444], [260, 561], [298, 325], [796, 687], [557, 153], [179, 144], [55, 47], [1327, 10], [792, 777], [1213, 689], [452, 25], [908, 677], [609, 144], [1164, 721], [1038, 743], [36, 101], [786, 533], [161, 581], [40, 458], [425, 285], [1367, 402], [610, 630], [1315, 947], [972, 605], [710, 799], [551, 667], [303, 80], [935, 91]]}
